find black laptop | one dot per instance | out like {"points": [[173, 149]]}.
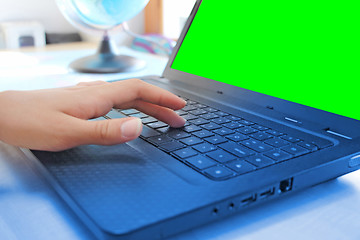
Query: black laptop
{"points": [[272, 108]]}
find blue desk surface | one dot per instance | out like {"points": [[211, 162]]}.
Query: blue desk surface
{"points": [[30, 209]]}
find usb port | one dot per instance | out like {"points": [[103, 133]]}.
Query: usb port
{"points": [[267, 193], [248, 200]]}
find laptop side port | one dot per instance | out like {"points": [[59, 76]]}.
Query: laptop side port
{"points": [[215, 211], [267, 193], [248, 200], [231, 206], [286, 185]]}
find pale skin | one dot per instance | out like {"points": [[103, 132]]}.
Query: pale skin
{"points": [[57, 119]]}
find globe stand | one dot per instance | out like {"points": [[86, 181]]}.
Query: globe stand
{"points": [[106, 60]]}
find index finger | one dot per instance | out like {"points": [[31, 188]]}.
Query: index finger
{"points": [[135, 89]]}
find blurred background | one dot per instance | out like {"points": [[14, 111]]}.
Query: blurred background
{"points": [[39, 22]]}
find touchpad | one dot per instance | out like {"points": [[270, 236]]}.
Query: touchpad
{"points": [[115, 185], [103, 168]]}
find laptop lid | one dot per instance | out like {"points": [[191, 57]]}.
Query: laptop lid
{"points": [[299, 59]]}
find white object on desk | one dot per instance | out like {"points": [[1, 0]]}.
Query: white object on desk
{"points": [[21, 34]]}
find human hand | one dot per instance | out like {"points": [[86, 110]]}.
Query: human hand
{"points": [[56, 119]]}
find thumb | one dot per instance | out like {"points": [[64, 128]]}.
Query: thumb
{"points": [[113, 131]]}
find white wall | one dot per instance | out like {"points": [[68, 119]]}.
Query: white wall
{"points": [[44, 11], [175, 16], [48, 14]]}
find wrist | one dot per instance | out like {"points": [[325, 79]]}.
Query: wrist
{"points": [[4, 113]]}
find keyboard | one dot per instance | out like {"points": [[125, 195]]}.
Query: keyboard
{"points": [[220, 145]]}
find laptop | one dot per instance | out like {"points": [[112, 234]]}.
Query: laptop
{"points": [[271, 93]]}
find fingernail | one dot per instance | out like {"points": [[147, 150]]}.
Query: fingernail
{"points": [[180, 123], [131, 128]]}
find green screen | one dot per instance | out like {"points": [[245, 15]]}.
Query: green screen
{"points": [[304, 51]]}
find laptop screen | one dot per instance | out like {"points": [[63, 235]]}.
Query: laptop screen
{"points": [[301, 51]]}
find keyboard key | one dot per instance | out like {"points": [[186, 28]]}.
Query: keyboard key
{"points": [[261, 136], [246, 130], [171, 146], [220, 120], [129, 111], [223, 131], [221, 156], [187, 124], [181, 112], [290, 138], [199, 121], [157, 125], [256, 145], [222, 114], [191, 141], [191, 128], [295, 150], [241, 166], [199, 105], [259, 127], [200, 162], [246, 122], [278, 155], [210, 109], [115, 115], [277, 142], [189, 117], [233, 118], [260, 161], [169, 129], [233, 125], [164, 129], [148, 132], [218, 172], [191, 102], [138, 115], [178, 134], [236, 149], [197, 112], [308, 146], [274, 133], [159, 139], [209, 116], [203, 134], [237, 137], [204, 147], [216, 139], [211, 126], [185, 153], [188, 108], [148, 120]]}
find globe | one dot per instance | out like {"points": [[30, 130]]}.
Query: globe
{"points": [[93, 16], [105, 14]]}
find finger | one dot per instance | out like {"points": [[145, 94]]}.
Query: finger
{"points": [[140, 90], [95, 83], [105, 132], [162, 113]]}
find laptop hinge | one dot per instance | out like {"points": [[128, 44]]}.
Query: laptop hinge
{"points": [[338, 134]]}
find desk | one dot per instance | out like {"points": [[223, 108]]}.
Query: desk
{"points": [[30, 209], [36, 68]]}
